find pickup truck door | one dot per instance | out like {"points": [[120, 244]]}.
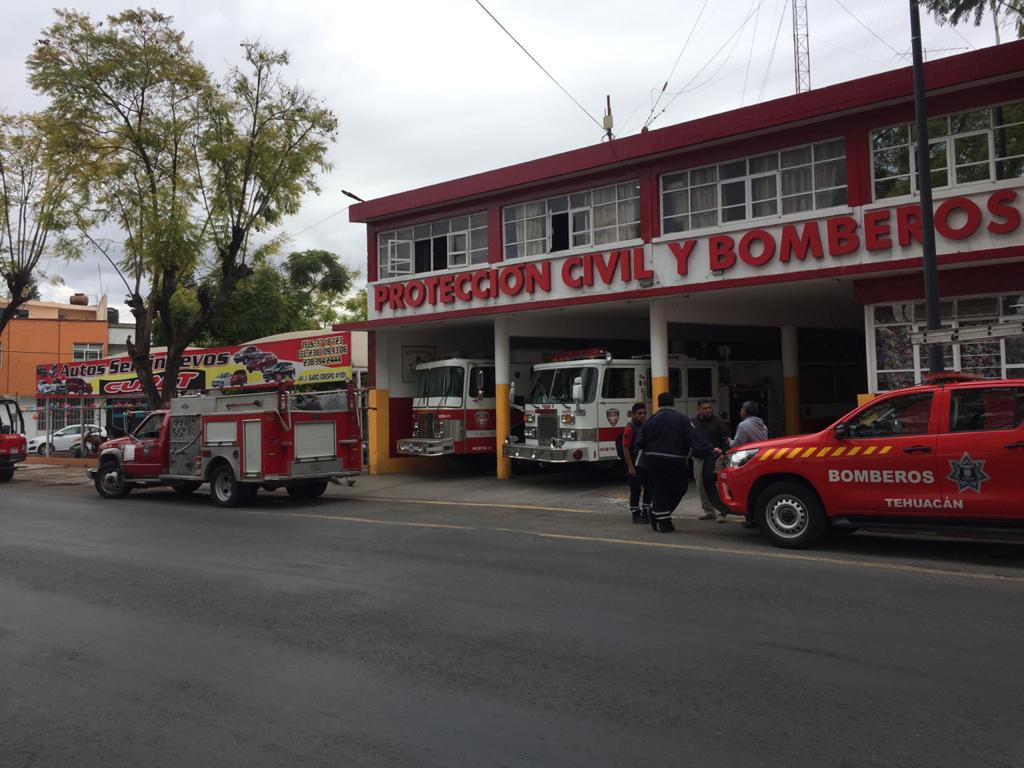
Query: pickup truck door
{"points": [[981, 451], [144, 457], [886, 463]]}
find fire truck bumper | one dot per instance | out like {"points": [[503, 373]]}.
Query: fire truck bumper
{"points": [[419, 446], [543, 453], [10, 459]]}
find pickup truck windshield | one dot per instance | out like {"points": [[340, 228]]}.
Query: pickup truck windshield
{"points": [[10, 419], [554, 385], [445, 381], [150, 427]]}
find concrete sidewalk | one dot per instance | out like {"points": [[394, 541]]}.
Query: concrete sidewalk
{"points": [[556, 491]]}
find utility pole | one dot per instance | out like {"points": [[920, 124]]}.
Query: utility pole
{"points": [[801, 47], [924, 185]]}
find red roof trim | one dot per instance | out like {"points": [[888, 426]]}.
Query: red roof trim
{"points": [[895, 85]]}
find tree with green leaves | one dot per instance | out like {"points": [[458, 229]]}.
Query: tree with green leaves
{"points": [[189, 168], [39, 211], [1003, 12]]}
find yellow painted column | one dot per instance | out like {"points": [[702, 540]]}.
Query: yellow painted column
{"points": [[502, 405], [790, 380], [379, 430], [659, 352]]}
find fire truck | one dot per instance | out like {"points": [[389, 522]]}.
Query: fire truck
{"points": [[238, 443], [578, 403], [13, 445], [454, 410]]}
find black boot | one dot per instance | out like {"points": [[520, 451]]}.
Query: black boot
{"points": [[666, 525], [654, 522], [635, 512], [645, 513]]}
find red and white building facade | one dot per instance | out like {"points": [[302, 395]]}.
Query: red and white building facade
{"points": [[782, 240]]}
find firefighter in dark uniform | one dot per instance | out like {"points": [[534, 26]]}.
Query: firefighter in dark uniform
{"points": [[665, 441]]}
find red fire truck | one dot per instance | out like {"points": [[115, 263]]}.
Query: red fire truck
{"points": [[238, 443], [578, 403], [13, 445], [947, 454], [454, 410]]}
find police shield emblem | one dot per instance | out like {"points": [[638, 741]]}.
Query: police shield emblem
{"points": [[613, 416], [968, 474]]}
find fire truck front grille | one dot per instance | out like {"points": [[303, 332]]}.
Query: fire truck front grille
{"points": [[424, 425], [547, 427]]}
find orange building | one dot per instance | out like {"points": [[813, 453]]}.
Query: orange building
{"points": [[45, 332]]}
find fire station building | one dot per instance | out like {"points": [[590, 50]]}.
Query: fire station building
{"points": [[780, 241]]}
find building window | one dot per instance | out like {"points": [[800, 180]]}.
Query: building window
{"points": [[86, 352], [790, 181], [595, 217], [440, 245], [965, 148], [898, 363]]}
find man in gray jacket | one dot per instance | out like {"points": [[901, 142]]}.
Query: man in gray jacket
{"points": [[751, 428]]}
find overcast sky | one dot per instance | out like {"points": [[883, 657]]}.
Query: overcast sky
{"points": [[429, 91]]}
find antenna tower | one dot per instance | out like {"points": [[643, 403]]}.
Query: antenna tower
{"points": [[801, 47]]}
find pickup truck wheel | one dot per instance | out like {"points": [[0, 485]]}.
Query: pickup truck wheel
{"points": [[311, 490], [226, 490], [110, 482], [6, 473], [186, 487], [790, 515]]}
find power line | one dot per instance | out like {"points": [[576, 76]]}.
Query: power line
{"points": [[542, 69], [675, 64], [750, 57], [707, 62], [869, 29], [771, 56], [317, 224]]}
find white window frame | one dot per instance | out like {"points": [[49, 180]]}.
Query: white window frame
{"points": [[83, 351], [579, 238], [748, 179], [949, 139], [392, 263]]}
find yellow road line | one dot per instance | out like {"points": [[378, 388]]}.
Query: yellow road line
{"points": [[370, 520], [482, 504]]}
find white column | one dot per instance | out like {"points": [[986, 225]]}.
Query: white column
{"points": [[659, 351]]}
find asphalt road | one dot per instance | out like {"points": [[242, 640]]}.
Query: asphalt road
{"points": [[158, 631]]}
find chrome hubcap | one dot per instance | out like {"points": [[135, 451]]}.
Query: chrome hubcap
{"points": [[787, 517], [111, 481], [223, 487]]}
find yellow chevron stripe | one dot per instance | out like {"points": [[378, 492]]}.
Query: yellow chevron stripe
{"points": [[794, 452], [854, 451], [823, 452], [870, 449], [808, 452], [767, 454], [885, 450], [838, 452]]}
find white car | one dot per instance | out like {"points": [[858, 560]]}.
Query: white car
{"points": [[63, 439]]}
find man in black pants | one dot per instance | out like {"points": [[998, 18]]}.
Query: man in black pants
{"points": [[665, 442], [636, 476]]}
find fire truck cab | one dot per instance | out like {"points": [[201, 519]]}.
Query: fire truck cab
{"points": [[454, 410], [578, 403], [238, 443], [13, 445]]}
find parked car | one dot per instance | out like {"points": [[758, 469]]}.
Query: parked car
{"points": [[283, 370], [221, 380], [46, 388], [77, 386], [243, 355], [63, 439], [239, 378], [260, 361]]}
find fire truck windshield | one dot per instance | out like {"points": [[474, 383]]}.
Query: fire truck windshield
{"points": [[554, 385], [444, 381]]}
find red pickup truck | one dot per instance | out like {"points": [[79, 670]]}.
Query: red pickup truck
{"points": [[13, 445], [238, 444], [944, 455]]}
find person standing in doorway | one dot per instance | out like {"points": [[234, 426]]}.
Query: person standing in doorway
{"points": [[665, 441], [636, 477], [716, 432]]}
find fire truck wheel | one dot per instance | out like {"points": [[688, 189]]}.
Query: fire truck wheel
{"points": [[311, 490], [790, 515], [6, 473], [226, 490], [110, 482], [186, 488]]}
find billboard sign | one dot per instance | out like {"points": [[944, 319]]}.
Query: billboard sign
{"points": [[321, 359]]}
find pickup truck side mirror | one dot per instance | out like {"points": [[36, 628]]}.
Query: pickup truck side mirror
{"points": [[842, 431], [480, 381], [512, 393], [577, 390]]}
